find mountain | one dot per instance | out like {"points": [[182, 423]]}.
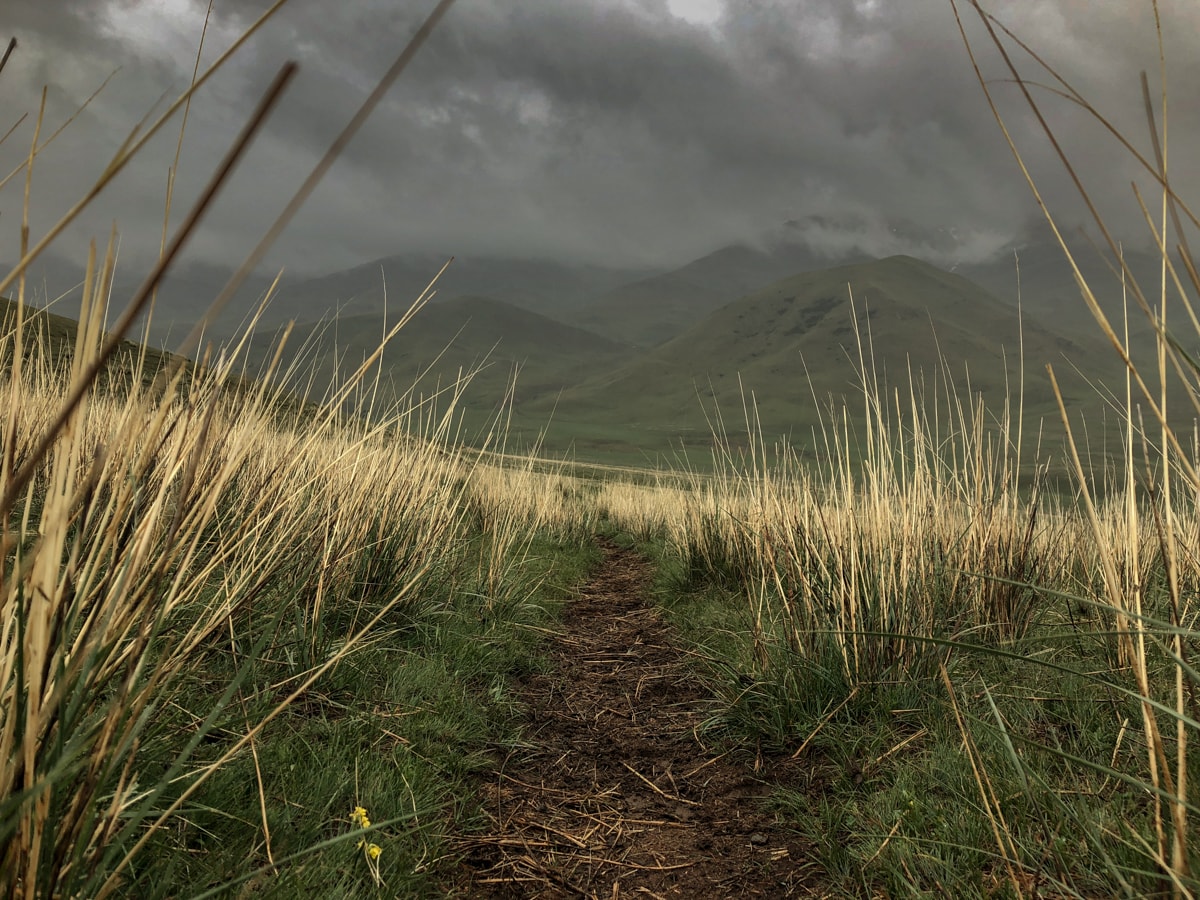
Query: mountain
{"points": [[793, 345], [546, 288], [183, 297], [1049, 291], [653, 310], [450, 337]]}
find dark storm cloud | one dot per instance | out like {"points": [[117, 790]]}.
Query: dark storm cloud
{"points": [[606, 130]]}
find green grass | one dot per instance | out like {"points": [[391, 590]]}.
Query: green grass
{"points": [[401, 727], [883, 786]]}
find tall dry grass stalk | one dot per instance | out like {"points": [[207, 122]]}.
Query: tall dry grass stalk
{"points": [[151, 518], [923, 526], [163, 524], [1154, 610]]}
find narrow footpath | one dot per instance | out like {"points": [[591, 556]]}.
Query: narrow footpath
{"points": [[614, 794]]}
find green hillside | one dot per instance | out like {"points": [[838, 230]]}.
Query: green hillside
{"points": [[653, 310], [57, 336], [543, 287], [913, 314], [459, 335]]}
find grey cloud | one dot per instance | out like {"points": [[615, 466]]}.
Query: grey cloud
{"points": [[607, 130]]}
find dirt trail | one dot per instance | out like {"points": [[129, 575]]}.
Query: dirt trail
{"points": [[614, 795]]}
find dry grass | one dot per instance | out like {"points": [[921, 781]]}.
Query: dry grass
{"points": [[165, 516], [163, 523], [930, 534], [147, 528]]}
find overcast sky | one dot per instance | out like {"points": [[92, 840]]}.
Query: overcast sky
{"points": [[630, 132]]}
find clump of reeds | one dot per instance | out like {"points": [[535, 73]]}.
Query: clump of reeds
{"points": [[160, 516], [155, 530], [934, 541], [1146, 591]]}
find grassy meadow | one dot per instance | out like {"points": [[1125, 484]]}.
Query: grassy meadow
{"points": [[259, 643], [211, 601]]}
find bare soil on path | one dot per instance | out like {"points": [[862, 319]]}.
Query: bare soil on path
{"points": [[614, 793]]}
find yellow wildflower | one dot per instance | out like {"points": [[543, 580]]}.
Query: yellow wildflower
{"points": [[372, 852]]}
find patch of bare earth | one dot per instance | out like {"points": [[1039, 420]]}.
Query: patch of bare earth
{"points": [[614, 794]]}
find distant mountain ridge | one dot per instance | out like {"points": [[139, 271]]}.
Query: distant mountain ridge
{"points": [[793, 344], [634, 366], [394, 283], [656, 309], [544, 287], [451, 338], [638, 307]]}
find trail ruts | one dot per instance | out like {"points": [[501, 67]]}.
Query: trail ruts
{"points": [[614, 794]]}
